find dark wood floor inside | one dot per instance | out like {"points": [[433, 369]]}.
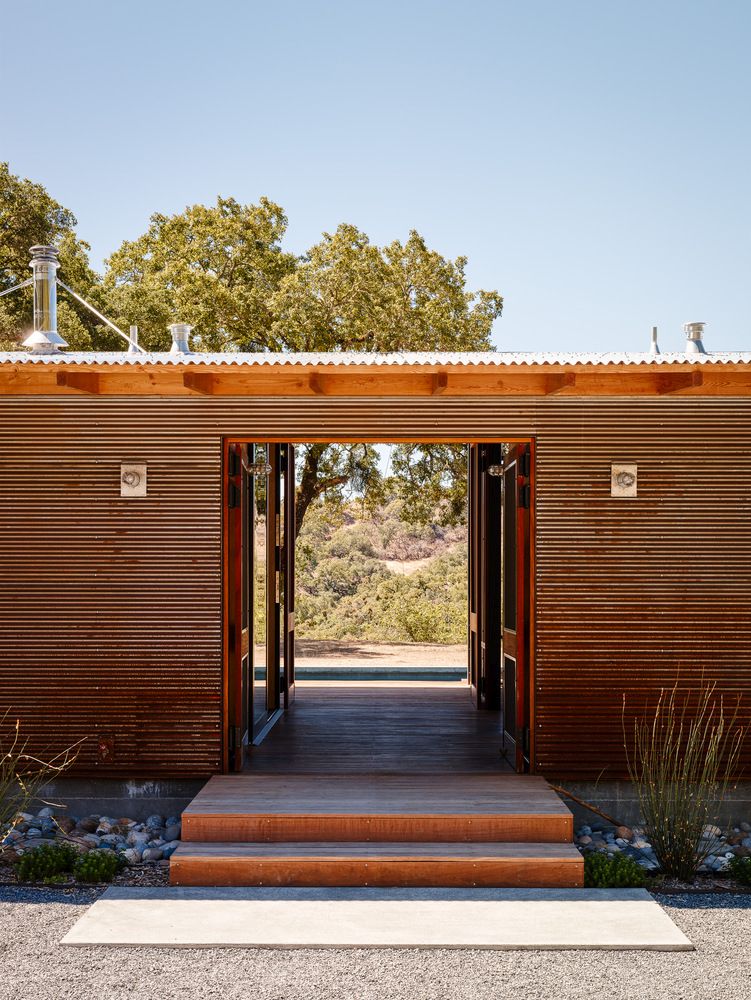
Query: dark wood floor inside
{"points": [[381, 727]]}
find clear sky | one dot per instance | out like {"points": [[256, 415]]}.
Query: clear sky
{"points": [[591, 159]]}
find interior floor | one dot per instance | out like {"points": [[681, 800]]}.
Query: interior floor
{"points": [[381, 726]]}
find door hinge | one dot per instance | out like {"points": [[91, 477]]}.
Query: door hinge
{"points": [[233, 463], [525, 463], [233, 496], [525, 496]]}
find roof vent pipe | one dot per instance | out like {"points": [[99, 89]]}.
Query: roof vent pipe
{"points": [[653, 347], [44, 339], [693, 333], [180, 338]]}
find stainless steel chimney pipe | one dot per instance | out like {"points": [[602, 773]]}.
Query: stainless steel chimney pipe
{"points": [[694, 333], [44, 264]]}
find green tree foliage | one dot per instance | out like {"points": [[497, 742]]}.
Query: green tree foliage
{"points": [[349, 295], [216, 267], [431, 482], [29, 216], [347, 588]]}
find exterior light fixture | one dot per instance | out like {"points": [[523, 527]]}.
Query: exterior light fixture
{"points": [[623, 480], [495, 470]]}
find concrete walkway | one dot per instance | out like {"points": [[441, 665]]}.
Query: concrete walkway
{"points": [[495, 919]]}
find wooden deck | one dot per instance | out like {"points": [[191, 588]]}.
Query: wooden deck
{"points": [[378, 784], [399, 727]]}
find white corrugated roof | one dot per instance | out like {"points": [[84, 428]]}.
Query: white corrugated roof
{"points": [[477, 359]]}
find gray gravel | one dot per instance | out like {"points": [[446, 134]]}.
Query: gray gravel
{"points": [[32, 964]]}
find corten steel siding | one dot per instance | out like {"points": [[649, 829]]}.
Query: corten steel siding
{"points": [[111, 608]]}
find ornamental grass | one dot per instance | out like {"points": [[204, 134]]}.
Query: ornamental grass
{"points": [[683, 758], [22, 775]]}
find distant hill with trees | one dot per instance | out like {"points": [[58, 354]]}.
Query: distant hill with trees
{"points": [[369, 575]]}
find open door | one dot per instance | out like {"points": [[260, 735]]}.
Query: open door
{"points": [[515, 603], [259, 489], [485, 492], [238, 615]]}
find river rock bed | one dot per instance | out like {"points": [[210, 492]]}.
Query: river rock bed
{"points": [[722, 844], [149, 842]]}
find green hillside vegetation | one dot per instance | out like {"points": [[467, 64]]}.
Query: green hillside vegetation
{"points": [[371, 576]]}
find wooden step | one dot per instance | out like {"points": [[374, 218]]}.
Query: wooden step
{"points": [[461, 865], [377, 807]]}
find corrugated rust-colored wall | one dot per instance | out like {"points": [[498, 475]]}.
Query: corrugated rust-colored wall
{"points": [[111, 608]]}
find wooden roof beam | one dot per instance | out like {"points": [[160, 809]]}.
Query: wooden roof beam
{"points": [[439, 384], [667, 382], [559, 383], [200, 382], [87, 382]]}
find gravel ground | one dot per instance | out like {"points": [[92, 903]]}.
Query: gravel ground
{"points": [[32, 964]]}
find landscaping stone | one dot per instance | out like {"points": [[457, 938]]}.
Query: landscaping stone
{"points": [[152, 854], [136, 837]]}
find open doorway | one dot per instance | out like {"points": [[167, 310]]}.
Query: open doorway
{"points": [[363, 720]]}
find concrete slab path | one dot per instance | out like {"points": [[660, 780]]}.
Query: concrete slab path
{"points": [[499, 919]]}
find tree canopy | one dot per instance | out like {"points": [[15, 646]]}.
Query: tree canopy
{"points": [[216, 267], [347, 294]]}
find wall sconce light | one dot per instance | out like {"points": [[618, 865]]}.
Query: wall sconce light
{"points": [[623, 480], [133, 479], [495, 470]]}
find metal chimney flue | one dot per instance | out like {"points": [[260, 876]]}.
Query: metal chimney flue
{"points": [[654, 347], [180, 338], [44, 264], [694, 333]]}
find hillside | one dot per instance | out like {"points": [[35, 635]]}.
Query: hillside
{"points": [[370, 576]]}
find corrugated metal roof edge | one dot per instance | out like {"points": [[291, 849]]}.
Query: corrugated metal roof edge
{"points": [[497, 359]]}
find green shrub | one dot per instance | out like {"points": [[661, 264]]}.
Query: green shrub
{"points": [[740, 870], [45, 862], [612, 871], [98, 866]]}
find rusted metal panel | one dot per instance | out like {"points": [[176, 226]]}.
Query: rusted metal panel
{"points": [[111, 607]]}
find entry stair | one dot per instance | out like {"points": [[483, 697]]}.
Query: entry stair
{"points": [[440, 830]]}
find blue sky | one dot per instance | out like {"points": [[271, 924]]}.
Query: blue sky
{"points": [[592, 160]]}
